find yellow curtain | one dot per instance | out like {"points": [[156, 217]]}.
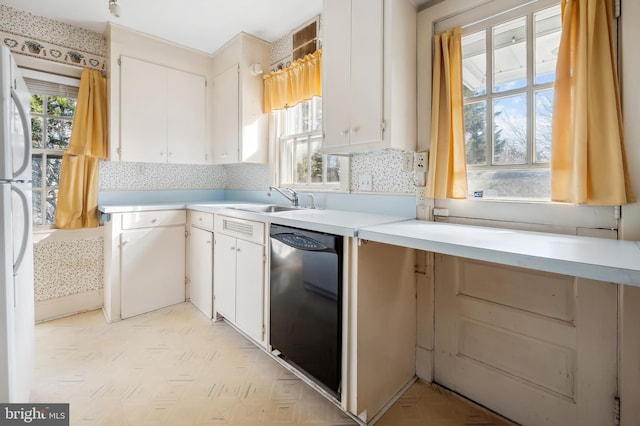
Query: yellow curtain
{"points": [[589, 164], [78, 193], [297, 83], [447, 177]]}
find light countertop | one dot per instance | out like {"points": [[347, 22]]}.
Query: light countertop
{"points": [[595, 258], [338, 222]]}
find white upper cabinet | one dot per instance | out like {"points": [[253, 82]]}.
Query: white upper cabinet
{"points": [[369, 75], [240, 127], [162, 114]]}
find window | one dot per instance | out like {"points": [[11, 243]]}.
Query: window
{"points": [[508, 73], [301, 162], [52, 108]]}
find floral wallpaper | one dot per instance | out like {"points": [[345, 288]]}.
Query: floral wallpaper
{"points": [[28, 34], [63, 268]]}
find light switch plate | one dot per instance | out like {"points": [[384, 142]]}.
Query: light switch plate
{"points": [[407, 162], [365, 183]]}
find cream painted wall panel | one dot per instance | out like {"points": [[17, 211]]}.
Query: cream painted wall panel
{"points": [[519, 360], [630, 228], [385, 326]]}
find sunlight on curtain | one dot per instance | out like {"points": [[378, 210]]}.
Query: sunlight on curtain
{"points": [[297, 83], [588, 161], [78, 194], [447, 177]]}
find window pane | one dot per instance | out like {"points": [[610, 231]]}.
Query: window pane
{"points": [[548, 26], [475, 132], [317, 107], [62, 107], [333, 169], [36, 103], [513, 184], [286, 162], [36, 202], [36, 132], [544, 115], [58, 133], [317, 160], [474, 64], [510, 55], [53, 171], [36, 170], [302, 162], [52, 199], [510, 130]]}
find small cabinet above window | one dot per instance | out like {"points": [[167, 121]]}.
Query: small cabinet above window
{"points": [[162, 114]]}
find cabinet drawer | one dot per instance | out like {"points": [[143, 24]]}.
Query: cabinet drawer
{"points": [[153, 219], [201, 219], [240, 228]]}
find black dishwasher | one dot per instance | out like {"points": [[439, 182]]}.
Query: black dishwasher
{"points": [[306, 302]]}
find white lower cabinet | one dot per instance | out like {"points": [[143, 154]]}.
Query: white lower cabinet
{"points": [[201, 270], [144, 262], [239, 274]]}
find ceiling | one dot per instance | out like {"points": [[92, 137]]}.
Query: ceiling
{"points": [[204, 25]]}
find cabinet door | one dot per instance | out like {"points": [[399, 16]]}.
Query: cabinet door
{"points": [[353, 72], [152, 269], [201, 270], [250, 288], [335, 72], [224, 276], [226, 116], [366, 77], [143, 111], [186, 118]]}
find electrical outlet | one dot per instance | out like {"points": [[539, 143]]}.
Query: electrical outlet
{"points": [[407, 162], [420, 199], [365, 183], [420, 162]]}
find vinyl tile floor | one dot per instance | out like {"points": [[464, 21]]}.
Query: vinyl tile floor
{"points": [[175, 367]]}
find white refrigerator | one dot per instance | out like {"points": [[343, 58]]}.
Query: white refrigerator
{"points": [[16, 250]]}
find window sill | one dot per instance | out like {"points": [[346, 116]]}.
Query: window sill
{"points": [[42, 234]]}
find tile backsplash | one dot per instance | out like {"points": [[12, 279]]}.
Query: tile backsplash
{"points": [[385, 169], [118, 175]]}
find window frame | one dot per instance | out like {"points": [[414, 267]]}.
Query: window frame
{"points": [[280, 119], [452, 13], [46, 153]]}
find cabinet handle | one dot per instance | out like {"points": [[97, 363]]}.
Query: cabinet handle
{"points": [[155, 220], [344, 132], [124, 243], [200, 219], [161, 153], [355, 130], [238, 249], [208, 241], [233, 248]]}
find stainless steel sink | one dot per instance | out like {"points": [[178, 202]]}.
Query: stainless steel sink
{"points": [[272, 208]]}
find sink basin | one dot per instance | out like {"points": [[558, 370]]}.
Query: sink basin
{"points": [[272, 208]]}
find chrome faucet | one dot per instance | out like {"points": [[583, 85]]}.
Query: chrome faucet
{"points": [[293, 197]]}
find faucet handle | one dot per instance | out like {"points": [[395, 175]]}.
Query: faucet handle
{"points": [[312, 201]]}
